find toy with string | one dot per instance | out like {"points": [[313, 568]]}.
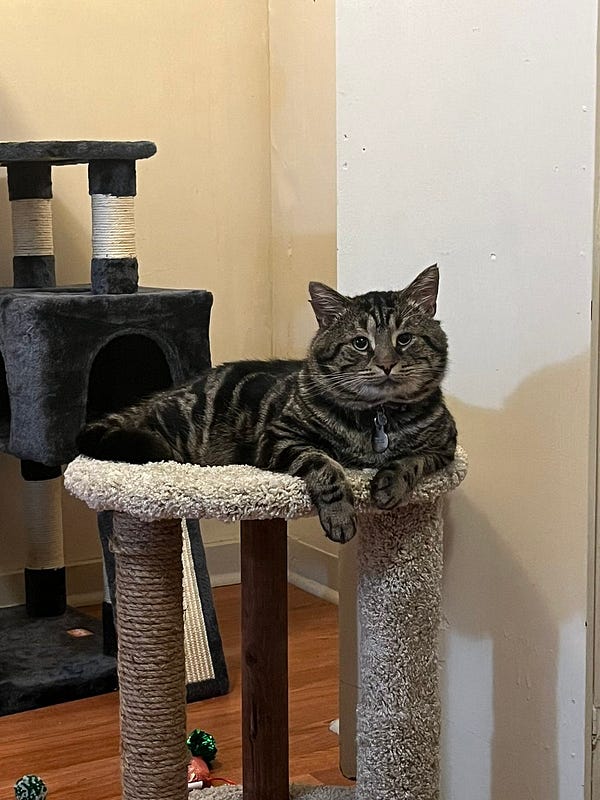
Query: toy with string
{"points": [[203, 749]]}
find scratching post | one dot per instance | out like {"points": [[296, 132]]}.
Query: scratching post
{"points": [[114, 262], [151, 663], [45, 577], [30, 195], [399, 604], [399, 590]]}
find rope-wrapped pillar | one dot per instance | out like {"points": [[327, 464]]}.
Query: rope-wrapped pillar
{"points": [[45, 583], [151, 661], [112, 186], [399, 591], [30, 195]]}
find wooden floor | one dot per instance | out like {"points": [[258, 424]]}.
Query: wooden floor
{"points": [[74, 747]]}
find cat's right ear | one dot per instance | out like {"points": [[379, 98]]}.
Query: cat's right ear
{"points": [[327, 303]]}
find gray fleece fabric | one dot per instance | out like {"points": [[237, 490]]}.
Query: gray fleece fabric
{"points": [[51, 341]]}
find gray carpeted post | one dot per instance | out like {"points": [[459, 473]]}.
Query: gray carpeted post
{"points": [[399, 591]]}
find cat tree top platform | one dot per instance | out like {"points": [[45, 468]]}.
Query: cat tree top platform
{"points": [[74, 152], [167, 490]]}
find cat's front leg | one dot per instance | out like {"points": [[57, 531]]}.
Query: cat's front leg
{"points": [[392, 483], [325, 482], [330, 492]]}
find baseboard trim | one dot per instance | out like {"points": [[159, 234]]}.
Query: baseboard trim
{"points": [[312, 569], [314, 588], [309, 568], [223, 562], [84, 585]]}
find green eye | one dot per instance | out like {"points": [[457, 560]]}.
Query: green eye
{"points": [[404, 339], [361, 343]]}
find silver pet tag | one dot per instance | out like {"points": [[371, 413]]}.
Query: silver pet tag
{"points": [[380, 438]]}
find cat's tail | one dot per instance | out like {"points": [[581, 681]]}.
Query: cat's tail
{"points": [[106, 440]]}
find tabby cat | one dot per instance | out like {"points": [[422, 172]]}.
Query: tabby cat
{"points": [[367, 395]]}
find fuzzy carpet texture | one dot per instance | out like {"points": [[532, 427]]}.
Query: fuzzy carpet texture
{"points": [[167, 490], [296, 793]]}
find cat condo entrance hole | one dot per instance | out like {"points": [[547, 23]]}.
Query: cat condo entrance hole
{"points": [[126, 369]]}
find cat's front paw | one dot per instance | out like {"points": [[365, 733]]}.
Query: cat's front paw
{"points": [[389, 487], [338, 521], [104, 441], [89, 439]]}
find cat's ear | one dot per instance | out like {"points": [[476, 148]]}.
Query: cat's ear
{"points": [[423, 290], [327, 303]]}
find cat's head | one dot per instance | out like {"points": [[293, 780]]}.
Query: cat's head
{"points": [[379, 347]]}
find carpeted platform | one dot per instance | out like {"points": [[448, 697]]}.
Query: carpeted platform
{"points": [[296, 793], [42, 664]]}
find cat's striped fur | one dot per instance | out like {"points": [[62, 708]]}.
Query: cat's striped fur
{"points": [[378, 352]]}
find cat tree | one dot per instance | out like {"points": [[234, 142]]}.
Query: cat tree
{"points": [[399, 589], [69, 354]]}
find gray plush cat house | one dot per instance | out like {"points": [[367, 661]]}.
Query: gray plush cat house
{"points": [[69, 354]]}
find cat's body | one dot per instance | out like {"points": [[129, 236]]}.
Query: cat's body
{"points": [[368, 395]]}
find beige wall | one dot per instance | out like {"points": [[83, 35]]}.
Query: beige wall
{"points": [[303, 185], [194, 78], [240, 99]]}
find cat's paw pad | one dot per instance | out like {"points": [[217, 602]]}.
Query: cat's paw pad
{"points": [[388, 488], [338, 521]]}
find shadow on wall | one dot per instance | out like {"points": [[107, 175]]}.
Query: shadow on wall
{"points": [[515, 594]]}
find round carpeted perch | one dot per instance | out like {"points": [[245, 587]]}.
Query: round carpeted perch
{"points": [[400, 563]]}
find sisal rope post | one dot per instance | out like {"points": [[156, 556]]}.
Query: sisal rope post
{"points": [[112, 186], [399, 599], [30, 195], [45, 574], [151, 662]]}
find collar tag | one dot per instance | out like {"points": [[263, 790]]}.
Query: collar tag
{"points": [[380, 438]]}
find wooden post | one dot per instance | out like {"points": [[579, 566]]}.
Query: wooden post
{"points": [[265, 739]]}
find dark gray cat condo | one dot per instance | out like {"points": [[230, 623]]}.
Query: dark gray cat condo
{"points": [[69, 354]]}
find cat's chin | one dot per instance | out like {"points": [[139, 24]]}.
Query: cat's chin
{"points": [[389, 393]]}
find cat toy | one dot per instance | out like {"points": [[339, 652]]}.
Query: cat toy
{"points": [[203, 749], [30, 787]]}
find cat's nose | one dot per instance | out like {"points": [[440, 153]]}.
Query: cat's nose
{"points": [[387, 366]]}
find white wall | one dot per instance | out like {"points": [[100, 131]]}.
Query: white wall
{"points": [[466, 137]]}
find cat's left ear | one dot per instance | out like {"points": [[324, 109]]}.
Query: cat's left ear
{"points": [[423, 290], [327, 303]]}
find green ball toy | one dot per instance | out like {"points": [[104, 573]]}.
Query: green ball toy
{"points": [[200, 743], [30, 787]]}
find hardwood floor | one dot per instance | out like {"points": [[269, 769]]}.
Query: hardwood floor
{"points": [[74, 747]]}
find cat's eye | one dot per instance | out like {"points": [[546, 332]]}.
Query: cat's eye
{"points": [[361, 343], [404, 339]]}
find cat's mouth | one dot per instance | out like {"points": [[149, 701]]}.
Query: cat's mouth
{"points": [[389, 389]]}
